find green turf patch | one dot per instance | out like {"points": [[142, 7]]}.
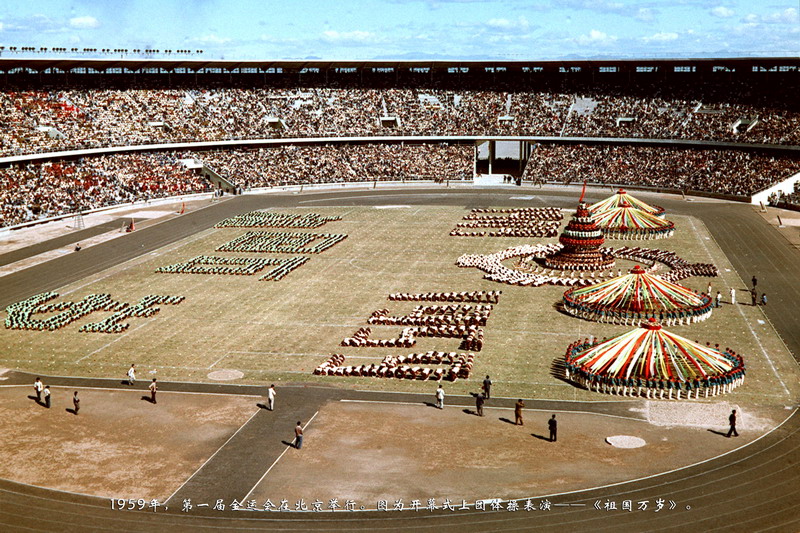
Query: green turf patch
{"points": [[230, 322]]}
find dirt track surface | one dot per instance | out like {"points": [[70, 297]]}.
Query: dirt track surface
{"points": [[370, 451], [119, 445]]}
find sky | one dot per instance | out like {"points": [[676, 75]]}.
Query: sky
{"points": [[409, 29]]}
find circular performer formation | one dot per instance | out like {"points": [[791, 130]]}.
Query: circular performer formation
{"points": [[578, 259], [637, 296], [622, 197], [627, 222], [581, 242], [651, 362], [621, 216]]}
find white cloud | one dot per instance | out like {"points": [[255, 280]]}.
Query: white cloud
{"points": [[661, 37], [356, 36], [645, 14], [600, 6], [722, 12], [505, 24], [597, 37], [787, 16], [277, 40], [84, 22], [211, 39]]}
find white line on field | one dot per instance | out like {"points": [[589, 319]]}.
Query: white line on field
{"points": [[106, 345], [161, 391], [276, 461], [744, 319], [763, 351], [212, 455], [217, 361], [505, 409]]}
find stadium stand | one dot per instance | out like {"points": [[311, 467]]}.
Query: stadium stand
{"points": [[729, 172], [295, 165], [43, 121], [36, 191], [49, 105]]}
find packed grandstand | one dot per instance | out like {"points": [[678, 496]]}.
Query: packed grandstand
{"points": [[581, 119]]}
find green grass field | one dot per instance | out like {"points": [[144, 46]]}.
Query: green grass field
{"points": [[279, 331]]}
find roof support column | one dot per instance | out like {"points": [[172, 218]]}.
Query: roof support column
{"points": [[492, 146]]}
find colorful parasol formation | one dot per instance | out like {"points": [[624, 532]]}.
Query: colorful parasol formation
{"points": [[650, 361], [635, 297], [627, 222], [622, 197]]}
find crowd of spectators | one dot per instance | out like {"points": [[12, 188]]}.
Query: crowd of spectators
{"points": [[35, 191], [50, 120], [729, 172], [782, 199], [295, 165]]}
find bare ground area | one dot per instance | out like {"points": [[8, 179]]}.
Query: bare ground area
{"points": [[368, 452], [119, 445]]}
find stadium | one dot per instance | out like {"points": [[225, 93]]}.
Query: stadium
{"points": [[360, 233]]}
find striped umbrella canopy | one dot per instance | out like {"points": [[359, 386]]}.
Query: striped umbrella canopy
{"points": [[628, 222], [623, 198], [638, 292], [651, 352]]}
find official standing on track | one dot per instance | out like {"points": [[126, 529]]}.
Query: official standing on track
{"points": [[153, 389], [518, 412], [38, 387], [440, 397], [271, 397], [487, 387], [479, 404], [552, 425], [732, 422]]}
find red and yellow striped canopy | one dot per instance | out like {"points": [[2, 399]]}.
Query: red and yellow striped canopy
{"points": [[637, 291], [651, 352], [629, 218], [623, 198]]}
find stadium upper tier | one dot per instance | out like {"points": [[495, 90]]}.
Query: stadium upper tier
{"points": [[65, 118]]}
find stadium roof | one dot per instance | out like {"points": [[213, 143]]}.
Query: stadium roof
{"points": [[135, 64]]}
